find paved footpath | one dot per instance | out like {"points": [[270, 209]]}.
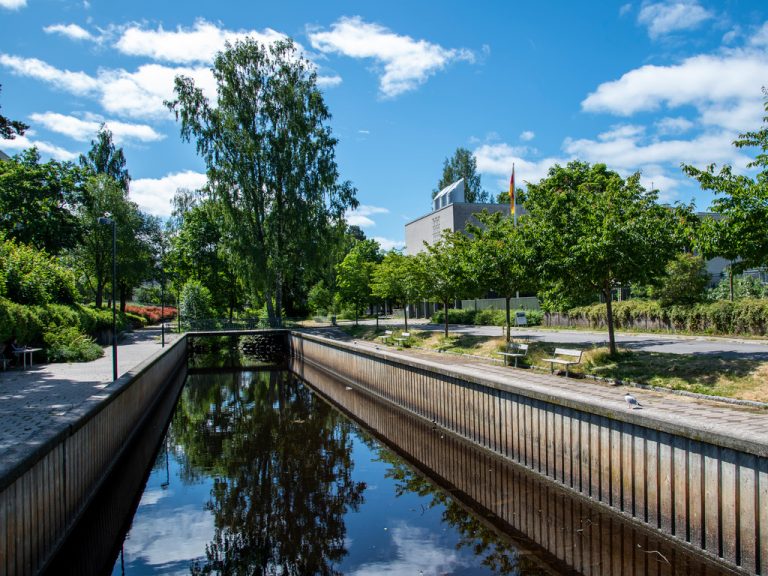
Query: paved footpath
{"points": [[37, 401]]}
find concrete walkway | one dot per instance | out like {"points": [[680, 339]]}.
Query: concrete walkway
{"points": [[46, 397], [38, 401]]}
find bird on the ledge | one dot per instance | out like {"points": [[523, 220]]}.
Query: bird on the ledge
{"points": [[632, 401]]}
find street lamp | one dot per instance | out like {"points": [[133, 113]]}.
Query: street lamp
{"points": [[109, 221], [162, 294]]}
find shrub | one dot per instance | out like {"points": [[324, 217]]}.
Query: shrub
{"points": [[69, 345], [491, 317], [455, 316], [30, 276], [195, 302]]}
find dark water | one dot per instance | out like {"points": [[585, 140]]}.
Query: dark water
{"points": [[260, 474]]}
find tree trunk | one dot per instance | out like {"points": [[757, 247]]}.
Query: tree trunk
{"points": [[445, 303], [405, 315], [279, 301], [99, 293], [609, 312], [730, 279], [509, 325], [270, 308]]}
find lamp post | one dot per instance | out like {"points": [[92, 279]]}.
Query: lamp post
{"points": [[162, 295], [109, 221]]}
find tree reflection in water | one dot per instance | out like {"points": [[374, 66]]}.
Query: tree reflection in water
{"points": [[281, 462]]}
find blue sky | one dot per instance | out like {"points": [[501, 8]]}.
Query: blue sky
{"points": [[637, 85]]}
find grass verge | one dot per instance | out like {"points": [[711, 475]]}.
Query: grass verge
{"points": [[711, 374]]}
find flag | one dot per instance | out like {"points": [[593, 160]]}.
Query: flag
{"points": [[512, 192]]}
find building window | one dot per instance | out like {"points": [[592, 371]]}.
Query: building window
{"points": [[435, 229]]}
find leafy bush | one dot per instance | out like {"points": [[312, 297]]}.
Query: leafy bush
{"points": [[491, 317], [743, 287], [487, 317], [30, 276], [748, 316], [465, 316], [196, 303], [69, 345]]}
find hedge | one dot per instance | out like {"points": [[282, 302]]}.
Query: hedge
{"points": [[740, 317], [487, 317]]}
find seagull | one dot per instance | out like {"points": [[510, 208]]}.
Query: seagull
{"points": [[632, 402]]}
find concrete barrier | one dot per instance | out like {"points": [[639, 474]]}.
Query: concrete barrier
{"points": [[43, 496], [708, 491]]}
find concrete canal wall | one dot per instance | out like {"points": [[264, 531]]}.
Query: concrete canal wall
{"points": [[708, 490], [43, 495]]}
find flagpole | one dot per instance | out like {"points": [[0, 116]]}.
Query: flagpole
{"points": [[513, 196]]}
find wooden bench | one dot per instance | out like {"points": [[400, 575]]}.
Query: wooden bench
{"points": [[386, 336], [403, 338], [514, 350], [564, 356]]}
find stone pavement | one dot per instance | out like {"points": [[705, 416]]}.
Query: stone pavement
{"points": [[38, 402]]}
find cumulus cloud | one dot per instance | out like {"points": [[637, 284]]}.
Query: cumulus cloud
{"points": [[360, 216], [389, 244], [72, 31], [676, 125], [406, 63], [84, 130], [527, 136], [497, 160], [198, 44], [46, 148], [13, 4], [663, 18], [138, 94], [78, 83], [154, 195], [725, 89]]}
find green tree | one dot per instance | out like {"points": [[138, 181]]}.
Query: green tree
{"points": [[399, 278], [447, 268], [738, 288], [270, 161], [354, 274], [9, 129], [740, 232], [462, 165], [501, 258], [684, 282], [105, 158], [37, 201], [591, 228], [195, 303]]}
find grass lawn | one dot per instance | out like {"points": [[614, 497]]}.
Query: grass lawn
{"points": [[746, 379]]}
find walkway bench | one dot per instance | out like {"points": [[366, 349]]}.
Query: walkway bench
{"points": [[514, 350], [386, 336], [564, 356], [403, 338]]}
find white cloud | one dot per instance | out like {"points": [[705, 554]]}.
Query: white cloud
{"points": [[186, 45], [725, 90], [497, 160], [407, 63], [527, 136], [78, 83], [622, 131], [328, 81], [360, 215], [72, 31], [676, 125], [85, 130], [46, 148], [154, 195], [760, 38], [13, 4], [625, 9], [138, 94], [387, 244], [665, 17]]}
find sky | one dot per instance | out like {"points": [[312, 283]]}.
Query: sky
{"points": [[639, 86]]}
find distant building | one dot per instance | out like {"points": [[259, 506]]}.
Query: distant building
{"points": [[449, 212], [4, 156]]}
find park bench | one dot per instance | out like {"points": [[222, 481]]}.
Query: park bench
{"points": [[564, 356], [403, 338], [385, 337], [514, 350]]}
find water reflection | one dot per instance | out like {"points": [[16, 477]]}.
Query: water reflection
{"points": [[281, 467]]}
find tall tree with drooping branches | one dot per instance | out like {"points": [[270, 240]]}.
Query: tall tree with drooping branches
{"points": [[270, 159]]}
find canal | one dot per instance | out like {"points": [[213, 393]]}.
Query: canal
{"points": [[264, 472]]}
